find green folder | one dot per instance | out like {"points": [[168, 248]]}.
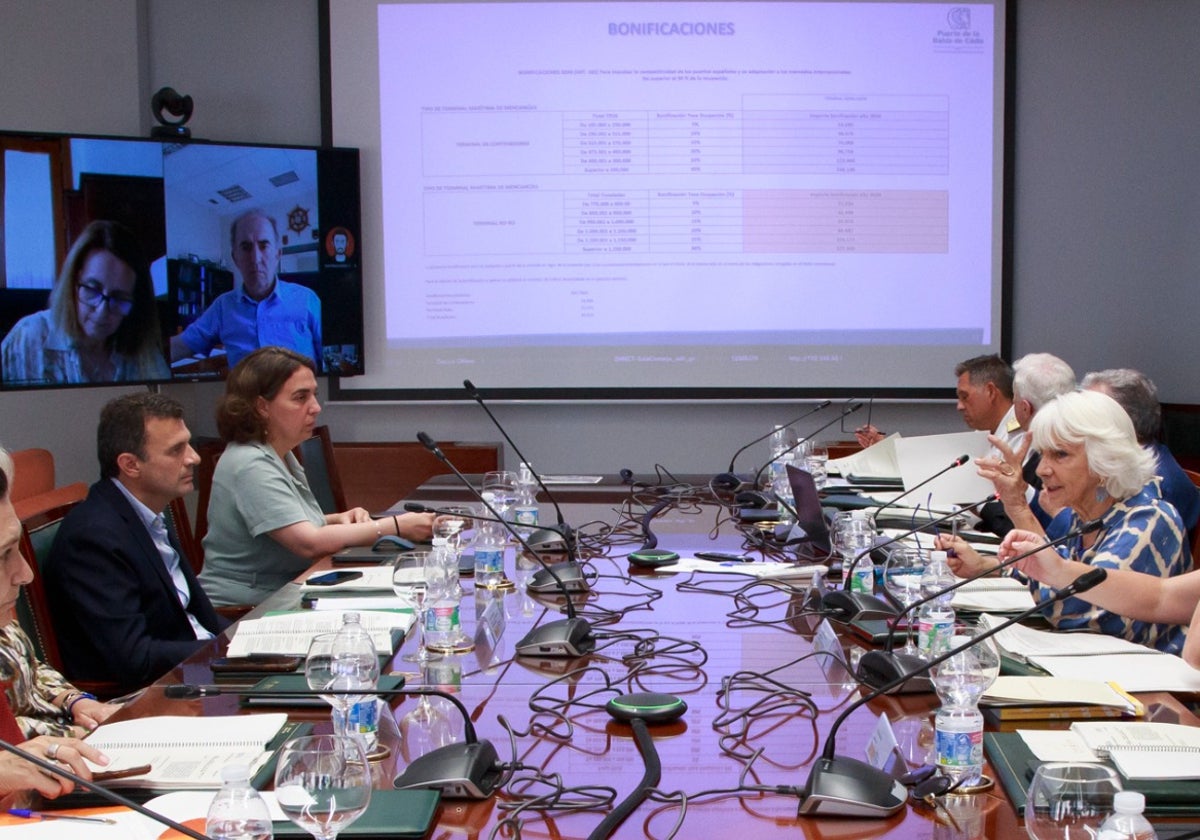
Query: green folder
{"points": [[392, 813], [1014, 764]]}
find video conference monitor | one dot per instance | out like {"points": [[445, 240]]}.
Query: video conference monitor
{"points": [[128, 260]]}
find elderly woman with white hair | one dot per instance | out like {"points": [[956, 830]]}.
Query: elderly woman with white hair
{"points": [[1093, 468]]}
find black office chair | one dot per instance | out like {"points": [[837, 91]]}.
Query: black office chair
{"points": [[316, 455]]}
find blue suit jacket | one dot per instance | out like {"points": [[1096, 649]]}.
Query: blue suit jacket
{"points": [[115, 610]]}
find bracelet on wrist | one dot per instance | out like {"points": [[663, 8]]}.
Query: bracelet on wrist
{"points": [[69, 706], [396, 522]]}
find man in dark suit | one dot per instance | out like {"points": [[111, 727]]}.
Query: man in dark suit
{"points": [[125, 602]]}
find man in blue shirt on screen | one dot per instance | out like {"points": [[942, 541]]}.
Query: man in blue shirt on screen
{"points": [[264, 311]]}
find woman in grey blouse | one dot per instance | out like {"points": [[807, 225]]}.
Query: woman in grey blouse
{"points": [[264, 524]]}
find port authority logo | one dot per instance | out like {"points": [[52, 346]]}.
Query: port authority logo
{"points": [[958, 35], [959, 18]]}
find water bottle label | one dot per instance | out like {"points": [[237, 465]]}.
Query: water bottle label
{"points": [[527, 515], [959, 750], [934, 636], [443, 619], [863, 579], [364, 717], [489, 561]]}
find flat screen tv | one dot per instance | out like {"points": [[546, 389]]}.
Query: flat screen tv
{"points": [[131, 260]]}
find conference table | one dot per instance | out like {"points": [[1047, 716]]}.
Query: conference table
{"points": [[738, 651]]}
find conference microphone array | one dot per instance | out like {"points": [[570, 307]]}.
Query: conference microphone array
{"points": [[845, 412], [845, 605], [846, 787], [564, 531], [56, 769], [879, 667], [470, 770], [957, 462], [729, 479], [571, 636]]}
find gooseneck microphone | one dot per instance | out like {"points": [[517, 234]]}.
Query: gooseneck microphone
{"points": [[56, 769], [564, 530], [957, 462], [729, 478], [571, 636], [845, 412], [470, 770], [845, 605], [846, 787], [879, 667]]}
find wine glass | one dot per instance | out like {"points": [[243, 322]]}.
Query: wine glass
{"points": [[902, 574], [816, 461], [319, 671], [963, 678], [452, 523], [502, 485], [408, 582], [1069, 801], [323, 783]]}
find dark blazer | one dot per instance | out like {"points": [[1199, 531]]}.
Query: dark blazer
{"points": [[115, 610]]}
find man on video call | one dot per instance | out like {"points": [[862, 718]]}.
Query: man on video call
{"points": [[264, 311]]}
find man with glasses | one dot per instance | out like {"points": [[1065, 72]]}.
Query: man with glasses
{"points": [[126, 604], [265, 311], [101, 324]]}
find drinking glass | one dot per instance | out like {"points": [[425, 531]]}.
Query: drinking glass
{"points": [[319, 671], [502, 485], [1069, 801], [816, 461], [323, 783], [963, 678], [408, 582], [902, 574], [453, 523]]}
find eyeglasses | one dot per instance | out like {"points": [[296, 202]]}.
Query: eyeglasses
{"points": [[93, 295]]}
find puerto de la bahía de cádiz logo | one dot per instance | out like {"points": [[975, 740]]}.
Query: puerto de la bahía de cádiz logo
{"points": [[959, 18]]}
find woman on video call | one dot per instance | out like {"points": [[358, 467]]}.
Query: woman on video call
{"points": [[101, 324]]}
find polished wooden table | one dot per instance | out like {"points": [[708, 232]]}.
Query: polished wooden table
{"points": [[739, 653]]}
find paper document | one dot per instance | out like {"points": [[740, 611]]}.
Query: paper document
{"points": [[996, 595], [758, 570], [878, 460], [291, 632], [1024, 643], [1056, 691], [921, 457], [1148, 670]]}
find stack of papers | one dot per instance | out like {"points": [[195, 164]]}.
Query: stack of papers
{"points": [[1140, 750], [291, 632]]}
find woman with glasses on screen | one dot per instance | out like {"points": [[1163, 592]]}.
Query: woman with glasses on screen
{"points": [[101, 324]]}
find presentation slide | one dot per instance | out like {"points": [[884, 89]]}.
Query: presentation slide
{"points": [[610, 196]]}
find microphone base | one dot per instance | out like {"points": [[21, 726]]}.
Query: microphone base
{"points": [[878, 668], [567, 637], [846, 787], [570, 573], [844, 605], [459, 771]]}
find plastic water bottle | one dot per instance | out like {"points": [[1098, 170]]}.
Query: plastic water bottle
{"points": [[489, 556], [356, 666], [935, 619], [1127, 821], [443, 627], [781, 441], [859, 536], [238, 811], [958, 740], [525, 510]]}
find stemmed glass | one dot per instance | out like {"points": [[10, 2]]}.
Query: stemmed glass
{"points": [[902, 580], [453, 523], [502, 487], [323, 783], [963, 678], [408, 582], [320, 673], [1069, 801]]}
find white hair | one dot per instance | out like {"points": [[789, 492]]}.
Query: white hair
{"points": [[1040, 377], [1097, 421]]}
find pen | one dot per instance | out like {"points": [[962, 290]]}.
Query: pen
{"points": [[26, 814]]}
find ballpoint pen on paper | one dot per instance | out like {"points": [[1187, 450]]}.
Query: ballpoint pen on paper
{"points": [[27, 814]]}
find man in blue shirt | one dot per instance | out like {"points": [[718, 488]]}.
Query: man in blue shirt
{"points": [[265, 311]]}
